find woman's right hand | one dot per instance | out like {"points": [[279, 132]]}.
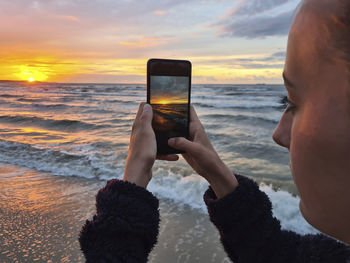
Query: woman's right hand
{"points": [[202, 157]]}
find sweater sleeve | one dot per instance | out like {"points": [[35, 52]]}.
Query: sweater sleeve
{"points": [[250, 233], [125, 227]]}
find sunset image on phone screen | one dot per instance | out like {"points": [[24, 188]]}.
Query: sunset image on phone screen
{"points": [[169, 100]]}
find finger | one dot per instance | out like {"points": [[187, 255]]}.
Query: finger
{"points": [[147, 115], [138, 115], [182, 143], [193, 114], [187, 157], [195, 123], [139, 111], [169, 157]]}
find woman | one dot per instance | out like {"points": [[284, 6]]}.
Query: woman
{"points": [[315, 128]]}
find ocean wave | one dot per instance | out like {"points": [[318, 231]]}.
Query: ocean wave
{"points": [[115, 89], [10, 96], [231, 106], [56, 162], [64, 125], [249, 99], [51, 106], [286, 208], [128, 94], [121, 101], [245, 88], [189, 191], [40, 106], [110, 89], [241, 117], [32, 99]]}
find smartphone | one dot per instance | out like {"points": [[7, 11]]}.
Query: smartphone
{"points": [[169, 94]]}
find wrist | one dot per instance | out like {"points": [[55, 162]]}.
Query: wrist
{"points": [[137, 176], [223, 182], [140, 180]]}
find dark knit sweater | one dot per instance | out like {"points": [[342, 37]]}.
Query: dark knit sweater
{"points": [[125, 228]]}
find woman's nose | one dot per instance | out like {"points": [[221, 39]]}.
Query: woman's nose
{"points": [[282, 132]]}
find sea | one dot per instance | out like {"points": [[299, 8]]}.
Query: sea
{"points": [[82, 132]]}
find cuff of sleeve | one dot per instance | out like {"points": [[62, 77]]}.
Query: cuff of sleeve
{"points": [[127, 219], [238, 208], [124, 198]]}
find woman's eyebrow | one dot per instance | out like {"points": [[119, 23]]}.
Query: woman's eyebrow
{"points": [[287, 82]]}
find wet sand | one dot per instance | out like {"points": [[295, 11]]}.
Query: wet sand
{"points": [[41, 216]]}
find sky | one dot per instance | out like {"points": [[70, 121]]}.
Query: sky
{"points": [[110, 41]]}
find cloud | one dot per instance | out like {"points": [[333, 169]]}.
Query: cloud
{"points": [[280, 54], [251, 7], [258, 18], [276, 57], [159, 12], [84, 8], [260, 66], [260, 26], [70, 18], [274, 60], [147, 41]]}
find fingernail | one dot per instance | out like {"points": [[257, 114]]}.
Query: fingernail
{"points": [[146, 108], [171, 141]]}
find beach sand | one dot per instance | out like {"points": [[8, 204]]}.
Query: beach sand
{"points": [[41, 216]]}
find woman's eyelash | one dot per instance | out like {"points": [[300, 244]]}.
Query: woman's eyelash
{"points": [[284, 102]]}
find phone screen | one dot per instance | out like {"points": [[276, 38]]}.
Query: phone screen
{"points": [[169, 97]]}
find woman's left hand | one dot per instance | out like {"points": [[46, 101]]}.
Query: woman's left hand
{"points": [[143, 149]]}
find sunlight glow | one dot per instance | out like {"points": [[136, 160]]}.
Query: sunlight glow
{"points": [[31, 73], [163, 102], [55, 69]]}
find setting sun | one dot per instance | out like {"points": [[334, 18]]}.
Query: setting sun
{"points": [[163, 102], [31, 79]]}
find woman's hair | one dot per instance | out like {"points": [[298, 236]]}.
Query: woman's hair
{"points": [[335, 24], [341, 33], [340, 38], [334, 43]]}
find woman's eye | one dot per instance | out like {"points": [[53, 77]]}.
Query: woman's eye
{"points": [[285, 103]]}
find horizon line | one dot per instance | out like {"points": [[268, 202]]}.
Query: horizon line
{"points": [[128, 83]]}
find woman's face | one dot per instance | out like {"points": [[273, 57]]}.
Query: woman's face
{"points": [[315, 128]]}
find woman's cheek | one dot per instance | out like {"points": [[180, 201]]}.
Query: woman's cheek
{"points": [[307, 148], [318, 160]]}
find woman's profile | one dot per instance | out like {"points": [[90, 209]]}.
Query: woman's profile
{"points": [[315, 128]]}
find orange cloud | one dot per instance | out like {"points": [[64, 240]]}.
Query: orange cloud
{"points": [[159, 12], [147, 41], [70, 18]]}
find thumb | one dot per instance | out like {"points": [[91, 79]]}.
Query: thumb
{"points": [[181, 143], [147, 114]]}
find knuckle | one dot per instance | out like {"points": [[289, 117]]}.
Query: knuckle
{"points": [[179, 141], [144, 132], [143, 118], [198, 150]]}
